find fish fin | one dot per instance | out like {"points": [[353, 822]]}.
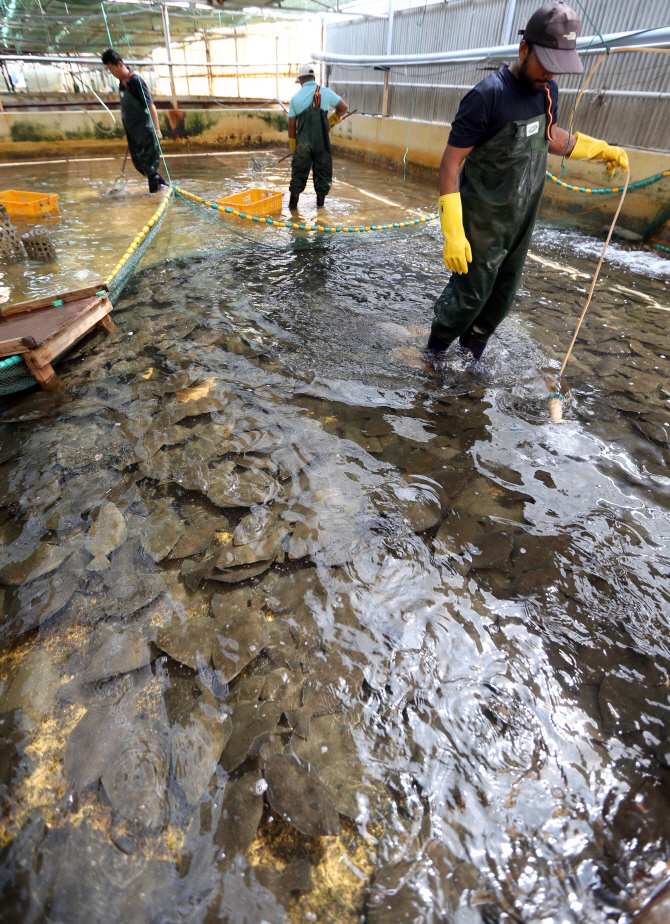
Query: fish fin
{"points": [[99, 563]]}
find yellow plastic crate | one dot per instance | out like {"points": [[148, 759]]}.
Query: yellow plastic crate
{"points": [[254, 201], [29, 205]]}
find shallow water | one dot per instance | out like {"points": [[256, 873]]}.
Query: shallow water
{"points": [[298, 628]]}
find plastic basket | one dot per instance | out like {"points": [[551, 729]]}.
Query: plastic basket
{"points": [[254, 201], [29, 205]]}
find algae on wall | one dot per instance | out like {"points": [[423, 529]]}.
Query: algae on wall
{"points": [[23, 130]]}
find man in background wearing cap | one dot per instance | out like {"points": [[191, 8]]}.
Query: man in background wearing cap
{"points": [[308, 135], [503, 130]]}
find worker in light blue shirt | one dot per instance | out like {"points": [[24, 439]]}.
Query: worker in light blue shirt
{"points": [[308, 133]]}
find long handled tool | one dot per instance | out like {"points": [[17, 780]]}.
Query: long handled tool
{"points": [[343, 119], [555, 399], [121, 181]]}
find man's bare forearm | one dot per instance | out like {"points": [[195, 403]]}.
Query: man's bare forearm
{"points": [[154, 116], [561, 142], [450, 169]]}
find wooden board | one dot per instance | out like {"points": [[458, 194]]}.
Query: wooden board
{"points": [[46, 302], [33, 329], [86, 319]]}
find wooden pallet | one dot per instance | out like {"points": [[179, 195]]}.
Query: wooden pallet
{"points": [[44, 328]]}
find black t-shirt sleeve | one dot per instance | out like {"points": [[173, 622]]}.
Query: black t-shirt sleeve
{"points": [[135, 85], [472, 119]]}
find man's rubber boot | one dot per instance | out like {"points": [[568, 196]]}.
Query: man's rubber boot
{"points": [[320, 201], [436, 344], [293, 202], [157, 182], [472, 345]]}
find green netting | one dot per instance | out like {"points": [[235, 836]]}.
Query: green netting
{"points": [[15, 375], [120, 279]]}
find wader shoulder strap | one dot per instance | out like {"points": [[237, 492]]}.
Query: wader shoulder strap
{"points": [[316, 99]]}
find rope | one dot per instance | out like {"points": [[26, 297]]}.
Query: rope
{"points": [[102, 7], [594, 27], [610, 51], [609, 189], [298, 227], [194, 206], [142, 234], [595, 275]]}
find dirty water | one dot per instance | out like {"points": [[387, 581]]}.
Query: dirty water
{"points": [[297, 629]]}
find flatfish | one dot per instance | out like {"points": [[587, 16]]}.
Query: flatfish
{"points": [[297, 793], [136, 778], [107, 533]]}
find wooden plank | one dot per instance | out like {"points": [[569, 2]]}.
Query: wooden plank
{"points": [[44, 374], [14, 346], [32, 330], [86, 321], [47, 301], [107, 325]]}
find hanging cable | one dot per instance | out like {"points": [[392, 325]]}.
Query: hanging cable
{"points": [[411, 113], [104, 15]]}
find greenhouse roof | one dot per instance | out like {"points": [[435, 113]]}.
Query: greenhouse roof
{"points": [[85, 26]]}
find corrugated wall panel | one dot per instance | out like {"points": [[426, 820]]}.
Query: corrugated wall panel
{"points": [[434, 93]]}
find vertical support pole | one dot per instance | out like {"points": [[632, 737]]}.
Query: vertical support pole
{"points": [[385, 104], [389, 30], [277, 63], [166, 30], [506, 37], [389, 50], [188, 82], [322, 43], [208, 58], [237, 66]]}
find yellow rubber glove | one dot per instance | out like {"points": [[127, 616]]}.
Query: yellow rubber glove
{"points": [[292, 143], [457, 252], [592, 149], [333, 119]]}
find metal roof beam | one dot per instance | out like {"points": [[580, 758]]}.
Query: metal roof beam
{"points": [[588, 44]]}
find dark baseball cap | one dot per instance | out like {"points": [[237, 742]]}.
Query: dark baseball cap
{"points": [[552, 31]]}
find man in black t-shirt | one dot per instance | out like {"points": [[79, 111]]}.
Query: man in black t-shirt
{"points": [[140, 119], [501, 135]]}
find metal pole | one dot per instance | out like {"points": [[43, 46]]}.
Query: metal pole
{"points": [[277, 64], [389, 30], [389, 49], [237, 66], [509, 22], [208, 56], [322, 49], [166, 30]]}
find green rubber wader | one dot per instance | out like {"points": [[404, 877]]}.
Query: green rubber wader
{"points": [[312, 152], [140, 134], [501, 189]]}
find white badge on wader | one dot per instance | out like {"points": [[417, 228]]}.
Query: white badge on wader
{"points": [[532, 129]]}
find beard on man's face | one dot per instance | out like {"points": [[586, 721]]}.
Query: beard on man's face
{"points": [[529, 84]]}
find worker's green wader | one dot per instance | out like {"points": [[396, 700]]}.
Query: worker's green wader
{"points": [[139, 131], [312, 151], [501, 188]]}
